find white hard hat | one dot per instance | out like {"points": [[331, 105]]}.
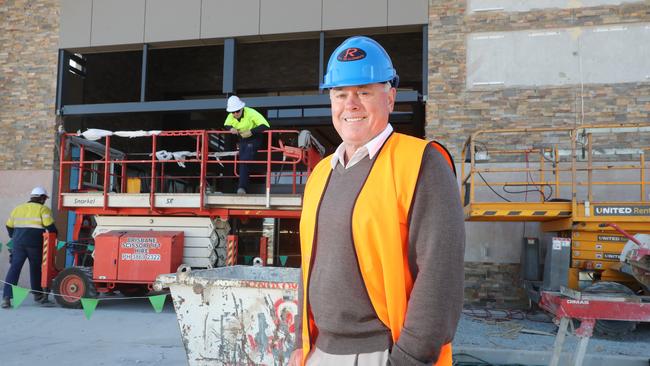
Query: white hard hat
{"points": [[234, 104], [39, 191]]}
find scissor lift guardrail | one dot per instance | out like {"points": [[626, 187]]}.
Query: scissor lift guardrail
{"points": [[570, 180], [566, 175], [110, 167]]}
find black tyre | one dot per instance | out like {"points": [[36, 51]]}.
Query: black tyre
{"points": [[133, 290], [72, 284], [612, 328]]}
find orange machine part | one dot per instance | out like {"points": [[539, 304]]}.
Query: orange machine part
{"points": [[106, 254], [137, 256], [48, 269]]}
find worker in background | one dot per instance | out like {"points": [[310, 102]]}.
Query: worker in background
{"points": [[26, 225], [382, 232], [249, 124]]}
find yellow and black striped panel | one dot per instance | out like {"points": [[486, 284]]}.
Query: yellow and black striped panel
{"points": [[515, 213], [44, 253]]}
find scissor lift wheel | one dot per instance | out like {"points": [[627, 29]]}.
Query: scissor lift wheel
{"points": [[72, 284], [611, 328]]}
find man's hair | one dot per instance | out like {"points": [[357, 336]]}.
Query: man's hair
{"points": [[387, 86], [37, 198]]}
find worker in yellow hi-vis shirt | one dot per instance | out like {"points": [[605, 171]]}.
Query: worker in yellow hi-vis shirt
{"points": [[26, 226], [250, 125]]}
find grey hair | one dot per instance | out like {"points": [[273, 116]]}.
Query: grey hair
{"points": [[387, 87]]}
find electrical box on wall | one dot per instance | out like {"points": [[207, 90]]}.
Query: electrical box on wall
{"points": [[530, 263]]}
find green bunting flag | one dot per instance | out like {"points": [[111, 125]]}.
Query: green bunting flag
{"points": [[60, 244], [0, 247], [19, 295], [89, 306], [248, 259], [158, 302], [91, 248], [10, 245], [283, 260]]}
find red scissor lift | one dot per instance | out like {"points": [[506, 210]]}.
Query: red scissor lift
{"points": [[186, 183]]}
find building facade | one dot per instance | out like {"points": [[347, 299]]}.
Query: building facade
{"points": [[465, 65]]}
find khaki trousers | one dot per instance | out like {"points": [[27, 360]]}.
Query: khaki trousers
{"points": [[316, 357]]}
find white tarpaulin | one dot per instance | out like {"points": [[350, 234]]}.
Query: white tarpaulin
{"points": [[95, 134]]}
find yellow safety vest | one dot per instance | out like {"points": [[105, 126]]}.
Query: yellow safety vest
{"points": [[388, 190], [249, 120], [30, 215]]}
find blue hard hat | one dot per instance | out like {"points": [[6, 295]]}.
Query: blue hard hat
{"points": [[359, 60]]}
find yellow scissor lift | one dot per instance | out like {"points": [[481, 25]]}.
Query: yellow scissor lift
{"points": [[573, 181]]}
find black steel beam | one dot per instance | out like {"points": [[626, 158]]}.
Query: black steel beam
{"points": [[59, 81], [211, 104], [425, 62], [395, 119], [137, 107], [229, 54], [321, 59], [143, 77]]}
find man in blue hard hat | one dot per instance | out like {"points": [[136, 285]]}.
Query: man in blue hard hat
{"points": [[26, 225], [382, 231]]}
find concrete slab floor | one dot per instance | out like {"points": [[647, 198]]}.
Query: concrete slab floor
{"points": [[501, 339], [120, 332], [129, 332]]}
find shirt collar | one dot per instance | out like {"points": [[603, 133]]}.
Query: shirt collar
{"points": [[371, 146]]}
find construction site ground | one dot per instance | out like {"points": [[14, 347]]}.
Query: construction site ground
{"points": [[129, 332]]}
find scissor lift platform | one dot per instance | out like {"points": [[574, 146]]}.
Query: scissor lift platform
{"points": [[572, 181], [518, 211], [181, 200], [201, 166]]}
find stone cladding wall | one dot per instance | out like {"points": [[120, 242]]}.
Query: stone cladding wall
{"points": [[29, 33], [494, 285], [453, 112]]}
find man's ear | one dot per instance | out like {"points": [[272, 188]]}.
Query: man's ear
{"points": [[392, 93]]}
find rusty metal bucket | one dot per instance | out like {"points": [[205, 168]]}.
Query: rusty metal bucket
{"points": [[237, 315]]}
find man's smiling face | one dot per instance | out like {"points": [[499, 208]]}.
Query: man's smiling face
{"points": [[360, 113]]}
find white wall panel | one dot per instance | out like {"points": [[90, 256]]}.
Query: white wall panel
{"points": [[75, 23], [117, 22], [90, 23], [591, 55], [616, 54], [227, 18], [288, 16], [527, 5], [408, 12], [345, 14], [170, 20]]}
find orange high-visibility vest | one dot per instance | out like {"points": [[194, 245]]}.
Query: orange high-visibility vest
{"points": [[379, 231]]}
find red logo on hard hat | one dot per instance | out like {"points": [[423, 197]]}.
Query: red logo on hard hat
{"points": [[351, 54]]}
